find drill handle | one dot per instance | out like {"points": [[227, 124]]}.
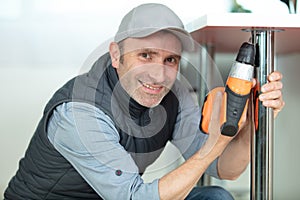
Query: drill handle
{"points": [[235, 107]]}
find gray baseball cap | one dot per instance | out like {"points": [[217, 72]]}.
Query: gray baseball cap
{"points": [[147, 19]]}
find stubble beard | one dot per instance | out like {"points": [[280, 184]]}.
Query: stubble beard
{"points": [[148, 100]]}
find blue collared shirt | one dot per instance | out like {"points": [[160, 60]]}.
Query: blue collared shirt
{"points": [[88, 139]]}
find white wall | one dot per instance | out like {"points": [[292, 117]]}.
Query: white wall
{"points": [[287, 137]]}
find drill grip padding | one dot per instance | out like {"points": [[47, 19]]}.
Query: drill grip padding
{"points": [[207, 109]]}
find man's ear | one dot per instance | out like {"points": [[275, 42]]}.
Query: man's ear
{"points": [[114, 52]]}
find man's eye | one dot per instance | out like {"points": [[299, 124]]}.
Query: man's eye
{"points": [[145, 55], [171, 60]]}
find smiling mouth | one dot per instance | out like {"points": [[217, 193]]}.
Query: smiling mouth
{"points": [[151, 87]]}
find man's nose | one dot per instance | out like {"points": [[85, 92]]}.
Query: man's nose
{"points": [[158, 72]]}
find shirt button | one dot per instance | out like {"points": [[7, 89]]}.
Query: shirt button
{"points": [[118, 172]]}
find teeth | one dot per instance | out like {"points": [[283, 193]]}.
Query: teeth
{"points": [[150, 87]]}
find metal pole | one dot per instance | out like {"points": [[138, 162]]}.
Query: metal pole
{"points": [[262, 140], [207, 54]]}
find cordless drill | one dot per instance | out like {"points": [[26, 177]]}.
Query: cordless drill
{"points": [[237, 92]]}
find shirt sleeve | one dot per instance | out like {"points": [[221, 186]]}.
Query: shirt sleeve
{"points": [[87, 138], [187, 136]]}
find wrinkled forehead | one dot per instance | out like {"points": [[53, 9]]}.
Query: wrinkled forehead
{"points": [[162, 40]]}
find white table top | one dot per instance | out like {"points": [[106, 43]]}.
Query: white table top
{"points": [[225, 31]]}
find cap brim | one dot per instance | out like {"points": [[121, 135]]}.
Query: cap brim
{"points": [[185, 37]]}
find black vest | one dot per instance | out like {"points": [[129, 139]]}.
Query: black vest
{"points": [[45, 174]]}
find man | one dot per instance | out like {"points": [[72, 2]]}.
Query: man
{"points": [[102, 129]]}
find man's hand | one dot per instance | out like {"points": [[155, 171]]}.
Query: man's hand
{"points": [[271, 95], [216, 142]]}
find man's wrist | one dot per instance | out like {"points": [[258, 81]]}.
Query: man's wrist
{"points": [[213, 148]]}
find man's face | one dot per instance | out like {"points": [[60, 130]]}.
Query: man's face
{"points": [[149, 67]]}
